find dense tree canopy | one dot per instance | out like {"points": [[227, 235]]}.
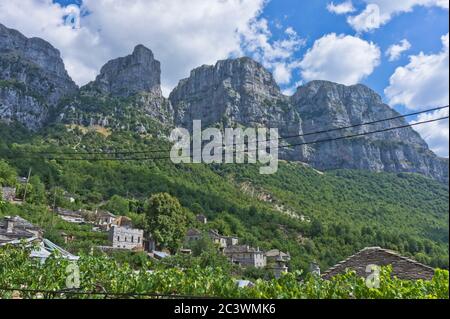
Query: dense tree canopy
{"points": [[167, 221]]}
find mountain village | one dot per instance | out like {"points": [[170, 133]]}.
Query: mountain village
{"points": [[122, 236]]}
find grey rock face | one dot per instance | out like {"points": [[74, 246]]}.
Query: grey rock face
{"points": [[326, 105], [241, 92], [141, 113], [135, 82], [33, 68], [124, 77], [232, 93], [15, 105]]}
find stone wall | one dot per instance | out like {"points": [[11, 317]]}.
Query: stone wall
{"points": [[127, 238]]}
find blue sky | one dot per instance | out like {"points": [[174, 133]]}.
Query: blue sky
{"points": [[298, 40], [423, 27]]}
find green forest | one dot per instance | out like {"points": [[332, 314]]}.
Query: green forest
{"points": [[315, 216]]}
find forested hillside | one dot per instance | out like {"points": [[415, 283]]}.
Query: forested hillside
{"points": [[316, 216]]}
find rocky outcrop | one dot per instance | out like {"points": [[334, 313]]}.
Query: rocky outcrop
{"points": [[16, 105], [325, 105], [235, 92], [126, 94], [241, 92], [32, 74], [127, 76]]}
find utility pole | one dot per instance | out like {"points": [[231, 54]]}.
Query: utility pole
{"points": [[26, 185], [54, 207]]}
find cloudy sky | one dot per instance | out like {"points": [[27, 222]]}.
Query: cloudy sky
{"points": [[398, 48]]}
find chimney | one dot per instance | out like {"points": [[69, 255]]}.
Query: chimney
{"points": [[9, 226]]}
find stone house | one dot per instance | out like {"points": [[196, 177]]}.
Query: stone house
{"points": [[222, 241], [192, 235], [402, 267], [70, 216], [277, 261], [218, 239], [15, 230], [277, 256], [246, 256], [67, 238], [105, 219], [126, 238], [231, 240]]}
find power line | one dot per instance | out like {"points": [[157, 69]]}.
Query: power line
{"points": [[237, 152], [270, 140]]}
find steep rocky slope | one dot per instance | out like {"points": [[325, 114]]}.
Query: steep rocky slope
{"points": [[125, 95], [32, 78], [235, 92], [126, 76], [327, 105]]}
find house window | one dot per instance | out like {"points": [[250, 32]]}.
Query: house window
{"points": [[118, 238], [132, 239], [139, 240]]}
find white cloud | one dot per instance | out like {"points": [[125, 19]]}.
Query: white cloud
{"points": [[342, 8], [423, 82], [282, 73], [340, 58], [395, 51], [435, 133], [290, 90], [277, 56], [182, 34], [370, 18], [379, 12]]}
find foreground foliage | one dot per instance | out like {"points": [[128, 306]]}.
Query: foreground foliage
{"points": [[111, 280]]}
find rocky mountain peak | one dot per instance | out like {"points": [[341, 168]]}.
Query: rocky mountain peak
{"points": [[241, 73], [32, 78], [325, 105], [127, 76], [238, 91], [331, 90], [35, 50]]}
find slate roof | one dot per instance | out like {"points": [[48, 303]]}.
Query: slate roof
{"points": [[20, 230], [402, 267], [276, 253], [241, 249], [68, 212]]}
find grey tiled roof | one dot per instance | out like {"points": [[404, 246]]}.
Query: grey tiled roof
{"points": [[403, 267], [241, 249]]}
